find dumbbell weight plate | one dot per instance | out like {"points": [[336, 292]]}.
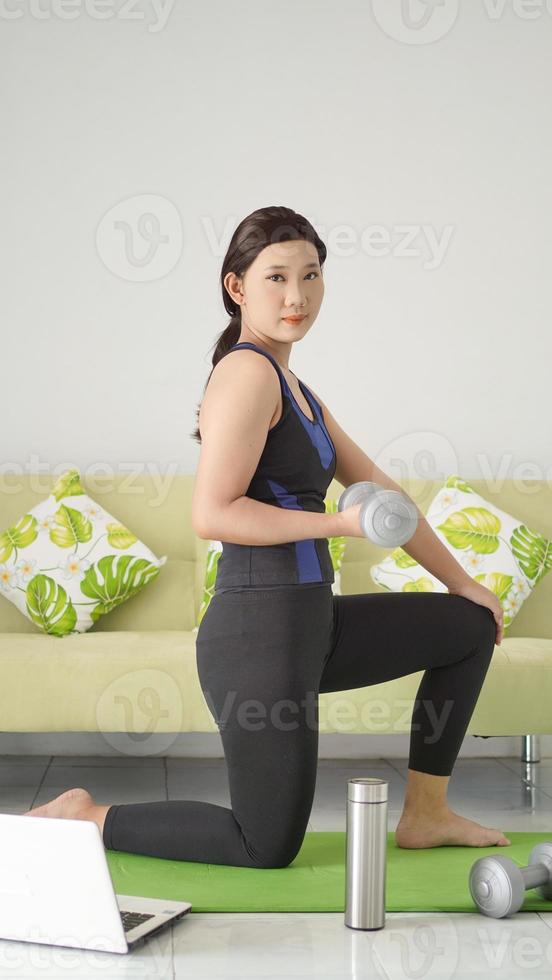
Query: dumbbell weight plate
{"points": [[388, 519], [496, 886], [355, 493]]}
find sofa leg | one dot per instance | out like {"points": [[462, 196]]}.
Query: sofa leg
{"points": [[530, 748]]}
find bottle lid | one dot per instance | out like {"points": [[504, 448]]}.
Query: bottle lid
{"points": [[368, 789]]}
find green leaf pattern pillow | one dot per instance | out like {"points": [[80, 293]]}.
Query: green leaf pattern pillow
{"points": [[63, 566], [495, 548], [336, 547]]}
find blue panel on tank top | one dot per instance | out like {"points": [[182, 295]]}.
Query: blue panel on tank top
{"points": [[308, 564]]}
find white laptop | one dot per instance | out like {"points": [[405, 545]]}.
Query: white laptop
{"points": [[56, 889]]}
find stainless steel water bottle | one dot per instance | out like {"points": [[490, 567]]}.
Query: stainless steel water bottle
{"points": [[366, 853]]}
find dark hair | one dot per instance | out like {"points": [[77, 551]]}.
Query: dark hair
{"points": [[263, 227]]}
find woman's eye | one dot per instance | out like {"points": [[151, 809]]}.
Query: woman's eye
{"points": [[277, 274]]}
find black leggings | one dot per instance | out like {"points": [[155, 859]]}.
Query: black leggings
{"points": [[263, 655]]}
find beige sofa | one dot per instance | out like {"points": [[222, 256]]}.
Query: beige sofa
{"points": [[135, 670]]}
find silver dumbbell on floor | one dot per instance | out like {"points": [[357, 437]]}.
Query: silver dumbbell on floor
{"points": [[388, 518], [498, 885]]}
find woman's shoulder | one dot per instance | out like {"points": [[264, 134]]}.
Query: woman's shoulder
{"points": [[237, 372], [246, 362]]}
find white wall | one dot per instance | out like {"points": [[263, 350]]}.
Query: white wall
{"points": [[216, 109], [137, 135]]}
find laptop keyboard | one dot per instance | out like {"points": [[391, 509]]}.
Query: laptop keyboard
{"points": [[132, 919]]}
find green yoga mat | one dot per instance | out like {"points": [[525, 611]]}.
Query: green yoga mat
{"points": [[433, 879]]}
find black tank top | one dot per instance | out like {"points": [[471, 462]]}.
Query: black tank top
{"points": [[296, 467]]}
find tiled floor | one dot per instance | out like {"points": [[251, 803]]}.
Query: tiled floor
{"points": [[500, 793]]}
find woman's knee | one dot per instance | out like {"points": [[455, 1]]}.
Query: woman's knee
{"points": [[479, 623], [277, 842], [276, 854]]}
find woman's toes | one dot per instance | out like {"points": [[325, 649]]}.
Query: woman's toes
{"points": [[498, 838]]}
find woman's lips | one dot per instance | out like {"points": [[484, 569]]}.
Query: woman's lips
{"points": [[294, 319]]}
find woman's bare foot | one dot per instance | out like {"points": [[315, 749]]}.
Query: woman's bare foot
{"points": [[73, 804], [445, 828]]}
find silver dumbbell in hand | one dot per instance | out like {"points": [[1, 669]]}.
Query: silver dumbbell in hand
{"points": [[498, 885], [387, 517]]}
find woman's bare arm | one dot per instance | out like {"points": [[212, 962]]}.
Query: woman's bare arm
{"points": [[235, 415]]}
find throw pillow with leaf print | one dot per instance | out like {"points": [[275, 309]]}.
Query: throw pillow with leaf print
{"points": [[62, 563], [495, 548]]}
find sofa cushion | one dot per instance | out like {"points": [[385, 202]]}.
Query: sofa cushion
{"points": [[147, 682], [135, 681], [495, 548], [67, 561]]}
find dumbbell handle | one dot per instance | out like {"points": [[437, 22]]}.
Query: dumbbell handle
{"points": [[534, 875]]}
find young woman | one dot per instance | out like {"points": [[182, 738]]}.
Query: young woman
{"points": [[274, 636]]}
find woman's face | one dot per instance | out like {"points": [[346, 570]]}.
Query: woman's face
{"points": [[269, 294]]}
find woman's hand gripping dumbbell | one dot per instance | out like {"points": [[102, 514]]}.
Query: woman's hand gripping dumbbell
{"points": [[498, 886], [386, 517]]}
